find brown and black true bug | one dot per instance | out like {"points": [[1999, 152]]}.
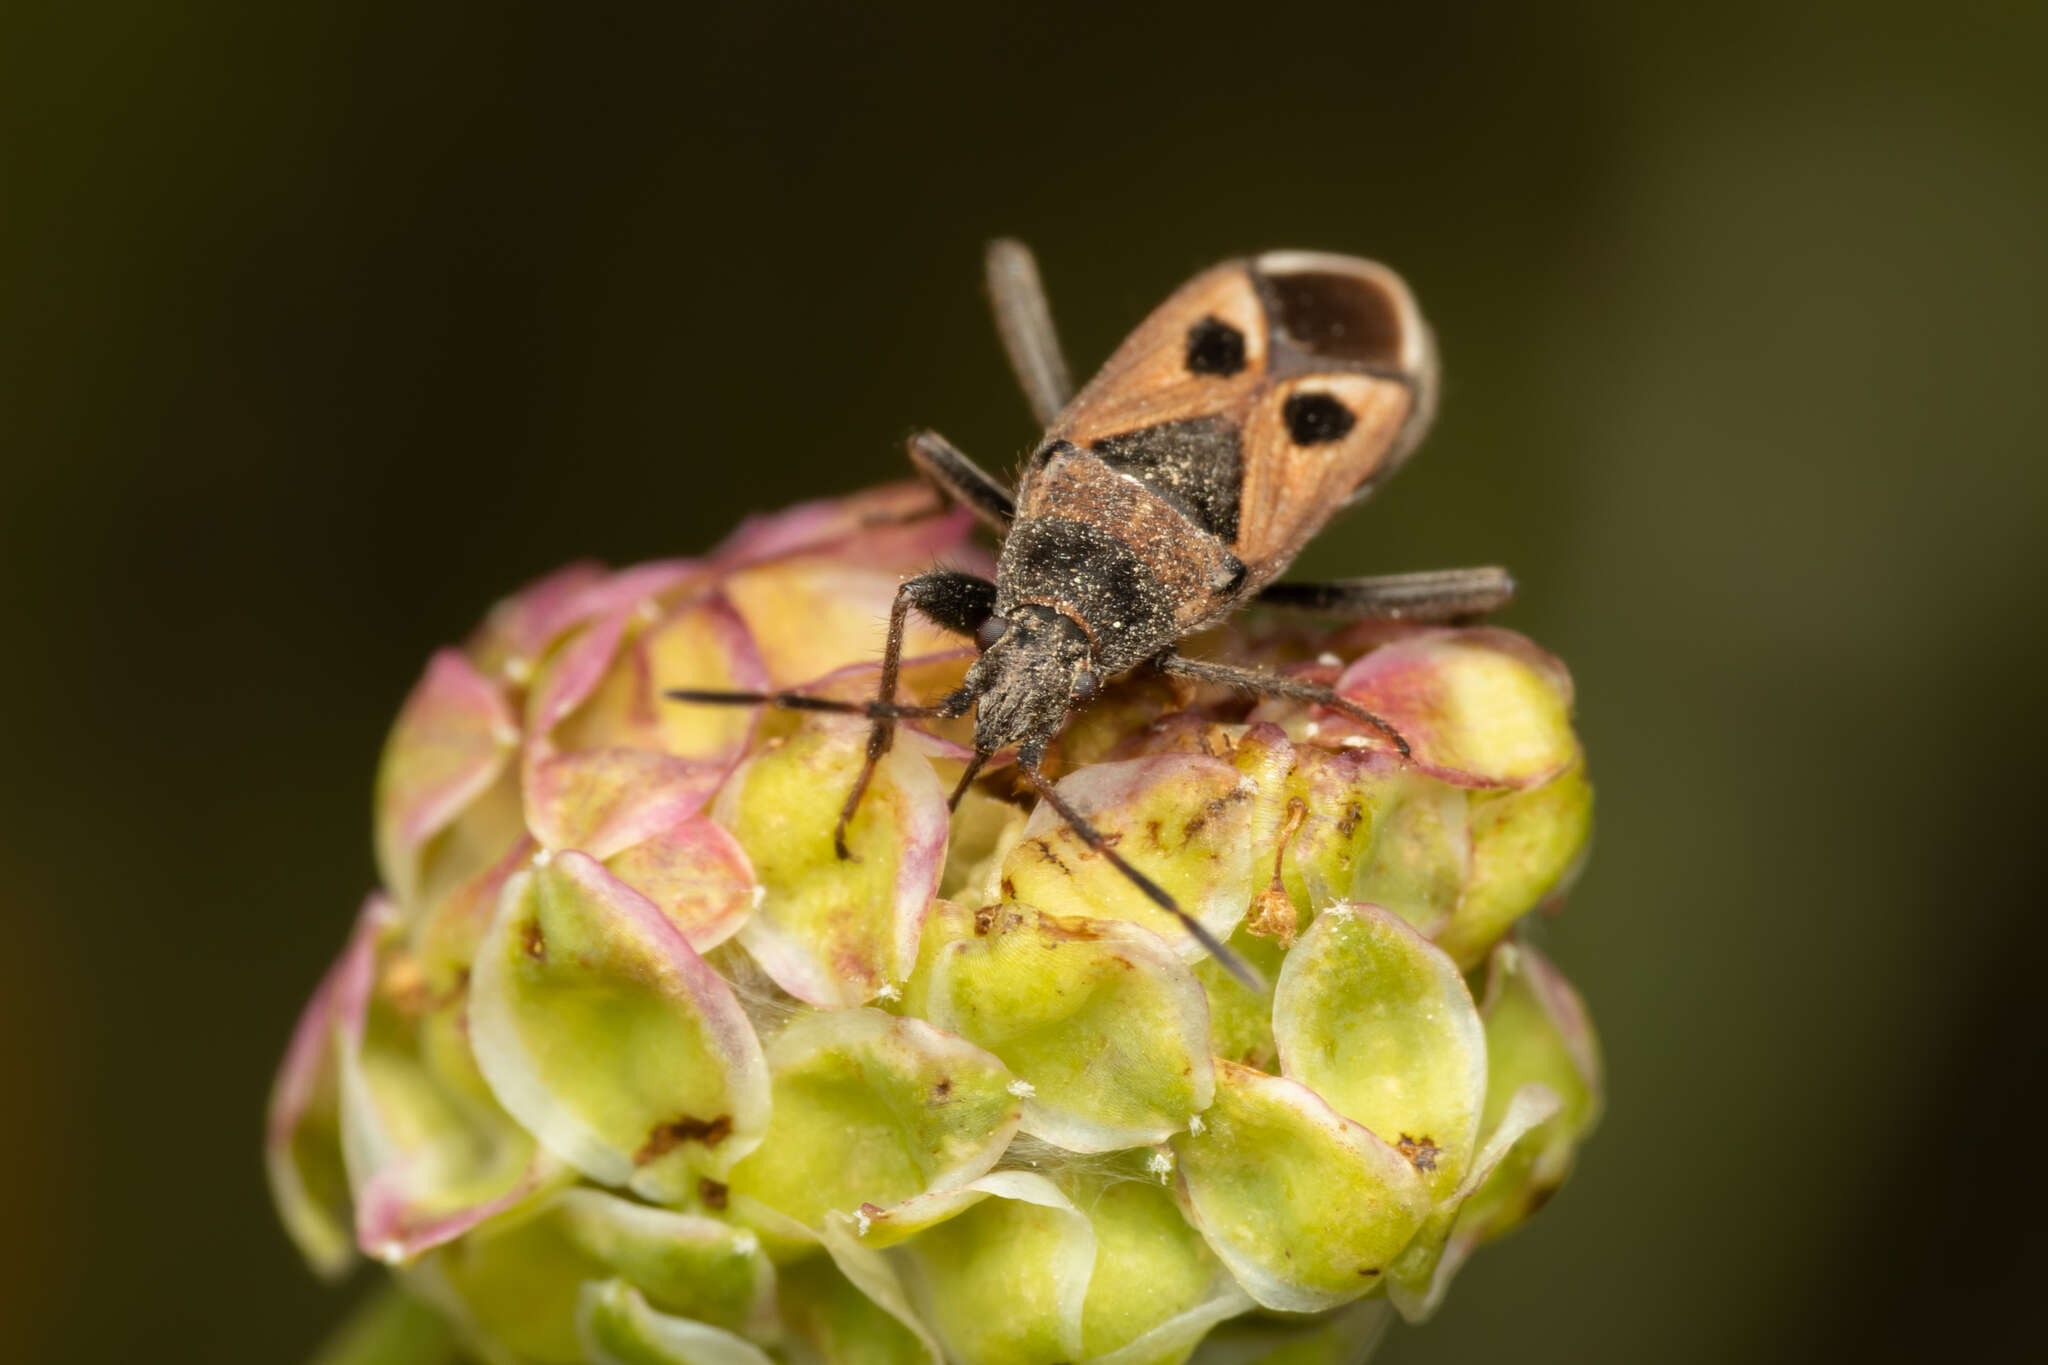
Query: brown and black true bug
{"points": [[1259, 400]]}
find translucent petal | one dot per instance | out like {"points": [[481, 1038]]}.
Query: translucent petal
{"points": [[618, 1327], [685, 1264], [1378, 1022], [1005, 1281], [1305, 1207], [1156, 1288], [1098, 1016], [872, 1109], [302, 1128], [843, 1326], [1182, 819], [1538, 1032], [602, 1031], [867, 1271], [828, 930], [1525, 847], [425, 1163], [1348, 1336], [1423, 1271], [1368, 827], [453, 737]]}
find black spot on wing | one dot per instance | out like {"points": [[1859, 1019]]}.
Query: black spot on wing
{"points": [[1215, 347], [1337, 316], [1315, 419], [1196, 464]]}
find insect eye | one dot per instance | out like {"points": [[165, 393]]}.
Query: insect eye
{"points": [[991, 631], [1215, 347], [1087, 686], [1316, 418]]}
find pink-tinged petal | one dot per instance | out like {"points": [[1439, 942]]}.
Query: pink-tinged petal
{"points": [[922, 678], [697, 874], [643, 587], [603, 801], [1480, 708], [301, 1140], [424, 1163], [444, 940], [395, 1223], [811, 614], [452, 738], [1567, 1013], [898, 524], [574, 673], [604, 1034], [605, 690], [705, 645], [520, 629], [832, 931]]}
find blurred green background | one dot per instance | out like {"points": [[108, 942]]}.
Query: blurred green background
{"points": [[322, 324]]}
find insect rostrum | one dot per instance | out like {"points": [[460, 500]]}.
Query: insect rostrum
{"points": [[1260, 399]]}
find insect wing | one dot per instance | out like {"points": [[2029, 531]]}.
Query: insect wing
{"points": [[1262, 397]]}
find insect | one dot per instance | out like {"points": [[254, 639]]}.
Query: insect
{"points": [[1263, 397]]}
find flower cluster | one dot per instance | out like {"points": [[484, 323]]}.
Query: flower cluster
{"points": [[623, 1063]]}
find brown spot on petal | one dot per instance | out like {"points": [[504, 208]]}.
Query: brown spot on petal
{"points": [[1421, 1152], [534, 941], [1368, 1270], [712, 1193], [1058, 927], [1045, 852], [1353, 813], [666, 1137], [943, 1089]]}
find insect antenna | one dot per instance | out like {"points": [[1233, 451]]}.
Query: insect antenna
{"points": [[803, 701], [1154, 892]]}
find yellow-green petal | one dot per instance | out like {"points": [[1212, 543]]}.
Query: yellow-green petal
{"points": [[1098, 1017]]}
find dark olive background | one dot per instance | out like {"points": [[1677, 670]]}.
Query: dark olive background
{"points": [[323, 324]]}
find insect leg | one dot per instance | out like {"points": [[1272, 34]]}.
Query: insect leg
{"points": [[1273, 685], [1024, 319], [1154, 892], [962, 480], [957, 601], [1438, 595]]}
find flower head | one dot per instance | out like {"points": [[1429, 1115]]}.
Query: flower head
{"points": [[625, 1062]]}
